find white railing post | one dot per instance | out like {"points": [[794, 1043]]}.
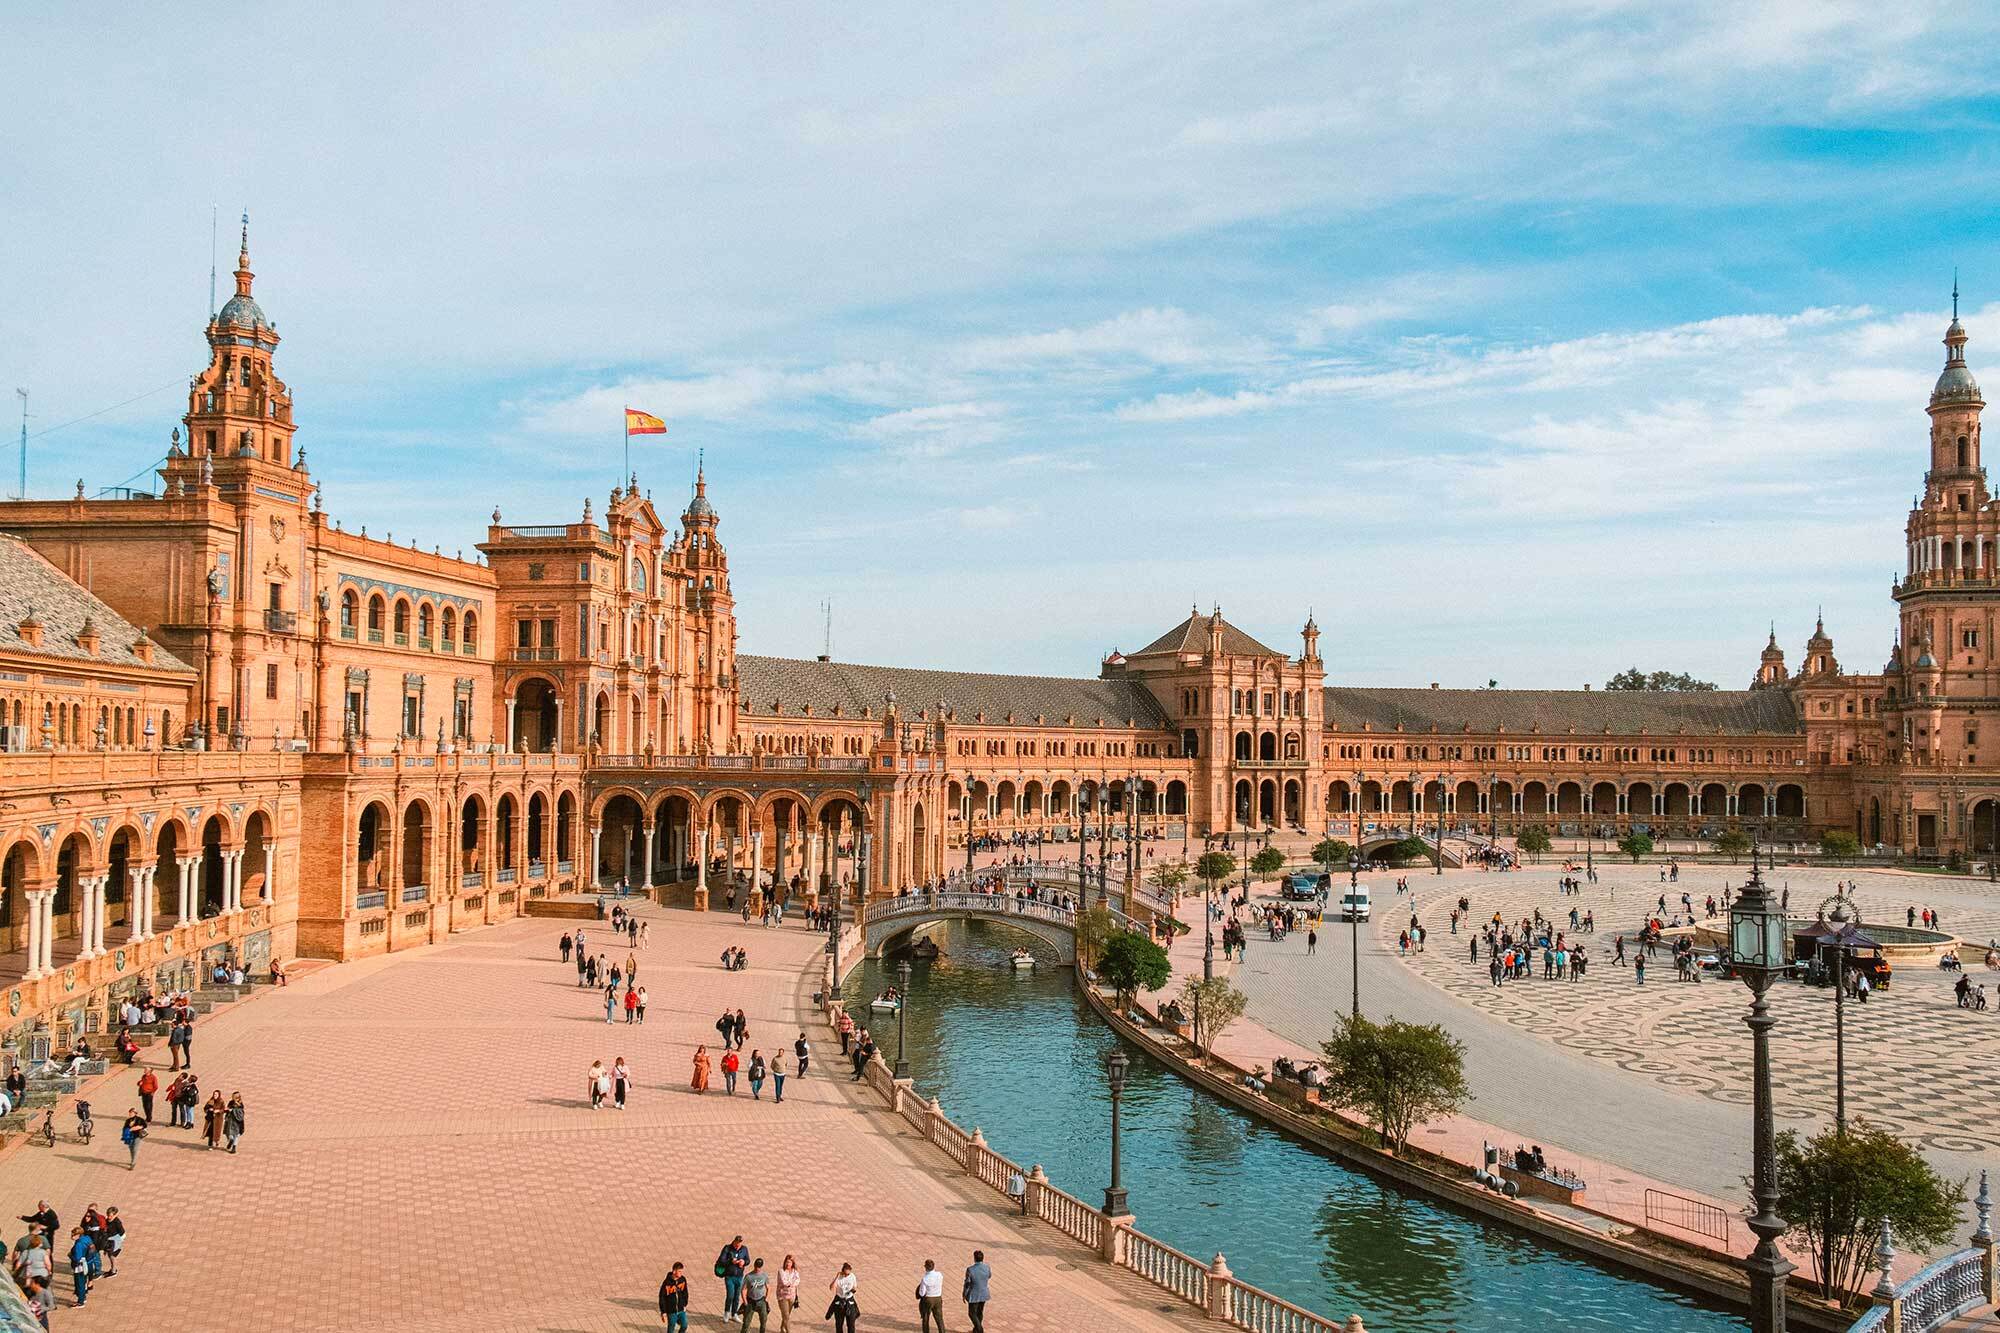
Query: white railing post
{"points": [[1219, 1282]]}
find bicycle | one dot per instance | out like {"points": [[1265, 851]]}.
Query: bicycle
{"points": [[84, 1124], [46, 1135]]}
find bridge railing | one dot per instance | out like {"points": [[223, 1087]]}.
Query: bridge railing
{"points": [[1943, 1290]]}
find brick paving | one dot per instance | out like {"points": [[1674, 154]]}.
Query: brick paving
{"points": [[421, 1156]]}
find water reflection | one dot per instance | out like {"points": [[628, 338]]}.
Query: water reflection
{"points": [[1017, 1055]]}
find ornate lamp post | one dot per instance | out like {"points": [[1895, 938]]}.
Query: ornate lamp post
{"points": [[1442, 802], [1115, 1066], [1103, 841], [902, 1007], [968, 824], [1354, 925], [1757, 931], [1840, 910]]}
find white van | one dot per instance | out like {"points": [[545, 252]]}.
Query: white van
{"points": [[1354, 903]]}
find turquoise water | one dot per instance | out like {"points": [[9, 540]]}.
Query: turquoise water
{"points": [[1020, 1057]]}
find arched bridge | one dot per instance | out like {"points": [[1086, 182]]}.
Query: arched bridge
{"points": [[891, 921]]}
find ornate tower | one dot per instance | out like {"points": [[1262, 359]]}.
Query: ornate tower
{"points": [[711, 615], [1770, 665], [237, 407]]}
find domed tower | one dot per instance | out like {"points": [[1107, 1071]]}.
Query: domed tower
{"points": [[1955, 481], [1819, 659], [1770, 664], [237, 406], [711, 617]]}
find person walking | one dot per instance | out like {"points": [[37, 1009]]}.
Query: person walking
{"points": [[674, 1301], [726, 1026], [631, 969], [803, 1053], [610, 1001], [700, 1080], [730, 1266], [730, 1064], [187, 1039], [756, 1297], [212, 1116], [621, 1081], [113, 1243], [788, 1293], [631, 1005], [173, 1045], [565, 946], [977, 1290], [596, 1072], [645, 933], [757, 1072], [149, 1084], [777, 1077], [81, 1251], [642, 1004], [742, 1029], [930, 1297], [233, 1118], [134, 1130], [845, 1308]]}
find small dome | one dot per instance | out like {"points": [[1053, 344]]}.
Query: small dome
{"points": [[243, 312], [1956, 385], [1926, 662], [699, 507]]}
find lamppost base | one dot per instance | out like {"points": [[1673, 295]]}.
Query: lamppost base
{"points": [[1114, 1203], [902, 1069]]}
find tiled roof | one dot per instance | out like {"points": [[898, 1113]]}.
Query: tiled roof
{"points": [[795, 683], [1191, 636], [30, 583], [1591, 712]]}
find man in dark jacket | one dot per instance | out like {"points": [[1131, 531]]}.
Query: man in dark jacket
{"points": [[674, 1301]]}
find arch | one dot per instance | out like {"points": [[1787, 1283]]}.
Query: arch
{"points": [[1242, 804], [1267, 802], [1714, 800], [448, 626], [378, 612], [1034, 800], [1791, 801], [1295, 814], [259, 830], [1434, 801], [889, 928], [350, 612], [982, 799], [20, 872], [1401, 797], [426, 623], [920, 845], [600, 720], [371, 848], [1060, 798], [1501, 798], [469, 638], [1267, 746], [399, 620], [506, 842], [1603, 799], [621, 823], [1004, 799], [536, 716], [1750, 800], [472, 840], [416, 850], [1243, 747], [535, 837], [1569, 799], [565, 830], [1639, 800], [1339, 797], [1874, 820], [1534, 797], [1679, 801], [1465, 798], [1177, 797]]}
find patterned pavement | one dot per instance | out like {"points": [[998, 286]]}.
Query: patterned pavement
{"points": [[421, 1156]]}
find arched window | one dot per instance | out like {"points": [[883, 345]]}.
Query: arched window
{"points": [[450, 626], [350, 608], [638, 576], [402, 621], [376, 608], [426, 621], [471, 632], [1963, 452]]}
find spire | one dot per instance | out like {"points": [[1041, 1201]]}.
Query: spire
{"points": [[243, 273]]}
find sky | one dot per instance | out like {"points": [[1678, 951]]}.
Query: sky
{"points": [[1519, 342]]}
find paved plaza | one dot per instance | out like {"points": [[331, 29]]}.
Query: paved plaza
{"points": [[421, 1156], [1656, 1078]]}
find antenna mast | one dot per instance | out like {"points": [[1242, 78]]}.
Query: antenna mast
{"points": [[826, 608], [211, 261], [23, 493]]}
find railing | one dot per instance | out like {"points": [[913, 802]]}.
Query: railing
{"points": [[368, 902], [1942, 1292], [1685, 1214], [1261, 1312], [1165, 1266], [282, 622], [471, 879], [565, 867], [1071, 1216], [506, 876], [956, 1143], [537, 870], [374, 636], [534, 654], [731, 760], [416, 893], [347, 631], [533, 533], [839, 764]]}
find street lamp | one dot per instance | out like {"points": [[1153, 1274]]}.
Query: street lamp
{"points": [[1838, 912], [968, 825], [1208, 929], [1441, 805], [1354, 924], [1115, 1066], [902, 1007], [1757, 931], [1103, 840]]}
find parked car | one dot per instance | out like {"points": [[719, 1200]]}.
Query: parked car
{"points": [[1354, 903]]}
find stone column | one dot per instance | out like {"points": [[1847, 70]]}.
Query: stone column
{"points": [[269, 892], [85, 886], [35, 897], [99, 910], [232, 883], [184, 886], [555, 739], [510, 725], [646, 869], [49, 931], [596, 848], [701, 870]]}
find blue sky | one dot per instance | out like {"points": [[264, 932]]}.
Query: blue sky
{"points": [[1521, 342]]}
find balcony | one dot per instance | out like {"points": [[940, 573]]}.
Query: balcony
{"points": [[534, 654], [370, 902], [423, 643], [281, 622], [469, 648], [347, 631], [471, 879], [374, 636], [416, 893], [506, 876], [402, 638]]}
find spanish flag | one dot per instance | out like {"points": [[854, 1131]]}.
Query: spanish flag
{"points": [[642, 423]]}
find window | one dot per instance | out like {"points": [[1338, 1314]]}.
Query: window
{"points": [[524, 634], [549, 634], [583, 572], [277, 596], [450, 626], [349, 608], [1969, 638], [413, 722], [471, 632], [271, 680]]}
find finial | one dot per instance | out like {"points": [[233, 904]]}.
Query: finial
{"points": [[1954, 291], [245, 250]]}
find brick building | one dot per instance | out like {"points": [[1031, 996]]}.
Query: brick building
{"points": [[229, 725]]}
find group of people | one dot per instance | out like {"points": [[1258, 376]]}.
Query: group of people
{"points": [[90, 1252], [753, 1291]]}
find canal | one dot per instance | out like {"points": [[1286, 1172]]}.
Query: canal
{"points": [[1018, 1055]]}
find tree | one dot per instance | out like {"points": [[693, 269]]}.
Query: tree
{"points": [[1838, 1188], [1409, 849], [1678, 681], [1331, 852], [1839, 843], [1093, 926], [1534, 840], [1636, 844], [1216, 1004], [1398, 1074], [1132, 963], [1732, 843], [1169, 876], [1268, 861], [1214, 868]]}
